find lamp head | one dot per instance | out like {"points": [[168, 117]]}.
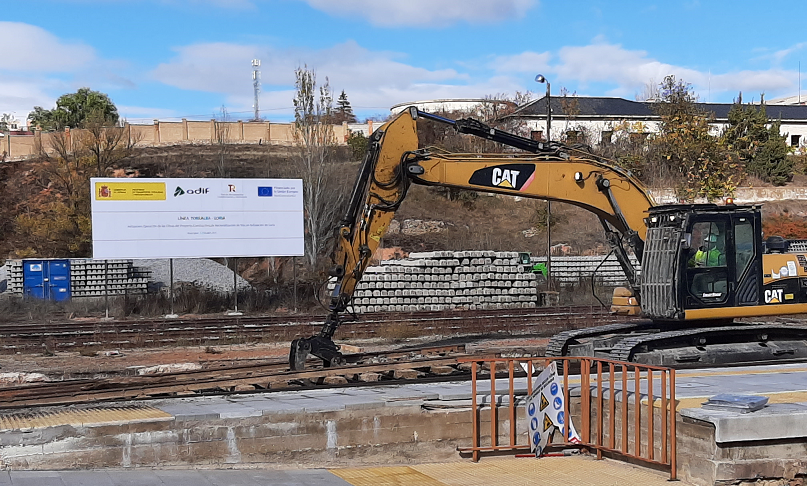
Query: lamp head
{"points": [[540, 79]]}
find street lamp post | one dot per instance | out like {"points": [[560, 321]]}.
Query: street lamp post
{"points": [[541, 79]]}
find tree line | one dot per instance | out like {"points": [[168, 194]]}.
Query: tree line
{"points": [[691, 155]]}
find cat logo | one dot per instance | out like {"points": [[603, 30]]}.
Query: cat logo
{"points": [[516, 177], [505, 177], [773, 296]]}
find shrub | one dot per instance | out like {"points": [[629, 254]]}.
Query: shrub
{"points": [[358, 144]]}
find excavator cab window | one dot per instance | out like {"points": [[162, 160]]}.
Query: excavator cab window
{"points": [[707, 269], [743, 244]]}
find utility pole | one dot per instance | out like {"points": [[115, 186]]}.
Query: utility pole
{"points": [[256, 85], [541, 79]]}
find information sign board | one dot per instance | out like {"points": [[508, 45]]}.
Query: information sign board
{"points": [[191, 218]]}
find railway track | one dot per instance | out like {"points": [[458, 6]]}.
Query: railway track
{"points": [[155, 333], [429, 363], [425, 363]]}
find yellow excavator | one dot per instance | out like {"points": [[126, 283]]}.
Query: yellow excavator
{"points": [[701, 265]]}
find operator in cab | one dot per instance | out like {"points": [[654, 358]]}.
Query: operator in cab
{"points": [[712, 253]]}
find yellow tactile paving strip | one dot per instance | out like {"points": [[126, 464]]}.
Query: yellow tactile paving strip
{"points": [[552, 471], [84, 417], [386, 476]]}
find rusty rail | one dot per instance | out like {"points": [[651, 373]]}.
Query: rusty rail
{"points": [[602, 427], [69, 335], [261, 377]]}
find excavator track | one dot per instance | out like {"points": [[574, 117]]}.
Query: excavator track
{"points": [[723, 345], [559, 343]]}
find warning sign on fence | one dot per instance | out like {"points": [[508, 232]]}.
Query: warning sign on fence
{"points": [[545, 411]]}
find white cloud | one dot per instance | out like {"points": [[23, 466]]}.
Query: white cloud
{"points": [[611, 63], [371, 79], [778, 56], [42, 67], [375, 80], [631, 70], [426, 13], [141, 114], [41, 51], [526, 62], [19, 96]]}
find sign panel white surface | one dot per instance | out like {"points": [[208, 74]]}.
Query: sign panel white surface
{"points": [[190, 218], [545, 411]]}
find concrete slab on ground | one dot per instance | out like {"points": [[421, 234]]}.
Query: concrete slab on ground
{"points": [[774, 422]]}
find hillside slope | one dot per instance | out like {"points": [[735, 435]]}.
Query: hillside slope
{"points": [[469, 221]]}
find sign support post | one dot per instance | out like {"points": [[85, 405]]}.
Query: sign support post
{"points": [[235, 289], [172, 315]]}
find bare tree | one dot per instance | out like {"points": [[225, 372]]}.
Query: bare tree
{"points": [[222, 141], [106, 143], [315, 158], [650, 91]]}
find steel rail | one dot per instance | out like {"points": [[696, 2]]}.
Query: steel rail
{"points": [[212, 331], [260, 377]]}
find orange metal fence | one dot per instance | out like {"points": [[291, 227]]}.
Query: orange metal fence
{"points": [[603, 428]]}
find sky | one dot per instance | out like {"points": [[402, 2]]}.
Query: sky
{"points": [[173, 59]]}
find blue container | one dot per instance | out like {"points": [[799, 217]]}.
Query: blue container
{"points": [[46, 279]]}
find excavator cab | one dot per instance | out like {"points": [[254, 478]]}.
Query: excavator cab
{"points": [[701, 257]]}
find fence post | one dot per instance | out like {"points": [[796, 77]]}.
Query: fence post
{"points": [[600, 415], [585, 398], [637, 411], [474, 414], [673, 406], [512, 405], [494, 439], [650, 442]]}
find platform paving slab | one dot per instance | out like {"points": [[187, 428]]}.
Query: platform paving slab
{"points": [[775, 421]]}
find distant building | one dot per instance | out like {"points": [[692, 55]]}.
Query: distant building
{"points": [[594, 119], [15, 125], [799, 99], [468, 105]]}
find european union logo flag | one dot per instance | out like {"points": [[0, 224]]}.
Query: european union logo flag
{"points": [[264, 192]]}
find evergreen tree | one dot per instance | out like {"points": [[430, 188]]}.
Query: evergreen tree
{"points": [[686, 149], [76, 110], [762, 149], [343, 111]]}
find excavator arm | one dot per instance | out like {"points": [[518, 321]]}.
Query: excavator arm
{"points": [[548, 171]]}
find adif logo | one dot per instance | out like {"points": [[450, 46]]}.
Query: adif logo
{"points": [[507, 176], [179, 191], [774, 296]]}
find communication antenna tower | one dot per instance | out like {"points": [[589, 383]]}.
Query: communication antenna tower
{"points": [[256, 84]]}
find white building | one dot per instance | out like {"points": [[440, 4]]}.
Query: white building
{"points": [[595, 119], [12, 123], [469, 105], [799, 99]]}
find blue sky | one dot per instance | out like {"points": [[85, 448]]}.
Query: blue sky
{"points": [[170, 59]]}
